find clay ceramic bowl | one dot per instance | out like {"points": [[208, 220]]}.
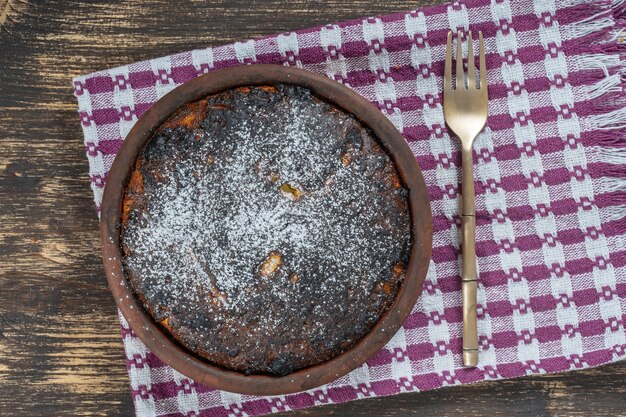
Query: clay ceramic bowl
{"points": [[178, 356]]}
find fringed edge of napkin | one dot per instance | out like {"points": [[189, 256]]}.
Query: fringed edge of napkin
{"points": [[602, 37]]}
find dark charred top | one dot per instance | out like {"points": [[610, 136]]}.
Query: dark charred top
{"points": [[265, 229]]}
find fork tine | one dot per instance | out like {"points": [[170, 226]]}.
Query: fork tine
{"points": [[460, 83], [447, 76], [481, 58], [471, 75]]}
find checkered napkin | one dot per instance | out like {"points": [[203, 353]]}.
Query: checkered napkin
{"points": [[550, 188]]}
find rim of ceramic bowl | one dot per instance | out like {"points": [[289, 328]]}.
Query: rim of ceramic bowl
{"points": [[182, 359]]}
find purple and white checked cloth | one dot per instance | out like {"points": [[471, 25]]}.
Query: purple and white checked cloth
{"points": [[550, 185]]}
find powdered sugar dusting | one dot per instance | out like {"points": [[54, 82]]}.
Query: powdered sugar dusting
{"points": [[309, 185]]}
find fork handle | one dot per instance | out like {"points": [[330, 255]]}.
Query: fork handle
{"points": [[469, 274]]}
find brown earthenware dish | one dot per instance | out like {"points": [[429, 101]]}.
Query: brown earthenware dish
{"points": [[206, 326]]}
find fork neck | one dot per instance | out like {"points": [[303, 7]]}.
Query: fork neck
{"points": [[466, 142]]}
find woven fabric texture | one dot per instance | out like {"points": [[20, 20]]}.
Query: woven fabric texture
{"points": [[550, 181]]}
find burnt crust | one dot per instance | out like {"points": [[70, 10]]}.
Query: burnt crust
{"points": [[290, 303]]}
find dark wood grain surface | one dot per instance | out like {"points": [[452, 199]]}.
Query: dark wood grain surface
{"points": [[60, 348]]}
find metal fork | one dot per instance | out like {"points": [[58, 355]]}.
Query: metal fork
{"points": [[465, 111]]}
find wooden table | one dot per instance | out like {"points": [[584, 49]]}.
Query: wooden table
{"points": [[60, 347]]}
